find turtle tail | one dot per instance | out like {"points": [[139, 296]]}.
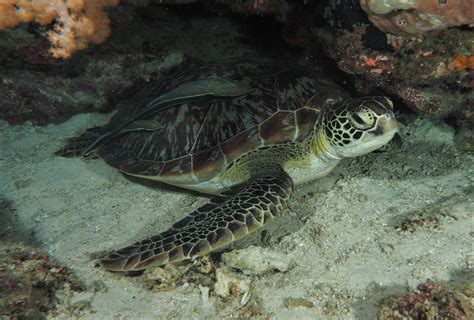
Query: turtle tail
{"points": [[83, 145]]}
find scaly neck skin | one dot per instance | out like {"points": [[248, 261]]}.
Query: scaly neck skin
{"points": [[321, 146]]}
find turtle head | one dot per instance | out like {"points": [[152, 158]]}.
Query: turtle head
{"points": [[358, 126]]}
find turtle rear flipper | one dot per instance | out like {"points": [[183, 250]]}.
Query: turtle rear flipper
{"points": [[225, 219], [83, 145]]}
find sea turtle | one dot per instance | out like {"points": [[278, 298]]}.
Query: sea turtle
{"points": [[246, 132]]}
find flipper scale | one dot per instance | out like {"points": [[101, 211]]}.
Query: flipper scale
{"points": [[210, 227]]}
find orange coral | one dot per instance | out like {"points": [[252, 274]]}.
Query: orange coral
{"points": [[462, 63], [368, 61], [77, 22]]}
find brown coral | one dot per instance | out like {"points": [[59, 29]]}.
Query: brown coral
{"points": [[414, 17]]}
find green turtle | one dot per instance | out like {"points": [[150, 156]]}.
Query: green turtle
{"points": [[246, 132]]}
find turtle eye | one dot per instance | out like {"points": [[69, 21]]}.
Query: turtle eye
{"points": [[362, 119]]}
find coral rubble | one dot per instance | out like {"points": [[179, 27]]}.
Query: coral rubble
{"points": [[29, 282], [430, 301]]}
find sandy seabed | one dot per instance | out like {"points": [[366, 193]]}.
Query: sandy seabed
{"points": [[378, 225]]}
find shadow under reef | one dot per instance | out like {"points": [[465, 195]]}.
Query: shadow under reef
{"points": [[11, 228]]}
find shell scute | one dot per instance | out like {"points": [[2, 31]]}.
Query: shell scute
{"points": [[279, 128], [207, 163], [127, 162], [306, 119], [300, 87], [181, 130], [176, 171], [241, 143]]}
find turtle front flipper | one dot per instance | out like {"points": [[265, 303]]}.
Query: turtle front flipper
{"points": [[223, 220]]}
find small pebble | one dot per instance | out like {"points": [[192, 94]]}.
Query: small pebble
{"points": [[257, 260], [229, 283]]}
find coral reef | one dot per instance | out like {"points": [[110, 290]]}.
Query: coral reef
{"points": [[432, 76], [415, 17], [39, 88], [54, 95], [29, 282], [76, 22], [431, 301]]}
